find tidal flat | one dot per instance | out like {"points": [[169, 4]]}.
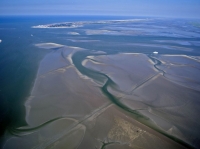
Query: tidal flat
{"points": [[101, 88], [67, 108]]}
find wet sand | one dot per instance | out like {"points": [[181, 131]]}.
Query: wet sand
{"points": [[165, 91], [92, 100]]}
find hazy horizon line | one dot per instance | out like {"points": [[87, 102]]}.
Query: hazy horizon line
{"points": [[103, 15]]}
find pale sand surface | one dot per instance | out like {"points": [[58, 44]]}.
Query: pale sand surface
{"points": [[180, 42], [48, 45], [73, 33], [87, 41], [170, 102], [162, 46], [182, 69], [111, 32], [60, 90], [184, 43], [67, 109], [127, 74]]}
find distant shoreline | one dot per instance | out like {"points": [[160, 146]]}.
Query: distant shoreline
{"points": [[82, 23]]}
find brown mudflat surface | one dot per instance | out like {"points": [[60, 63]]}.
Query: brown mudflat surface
{"points": [[68, 109]]}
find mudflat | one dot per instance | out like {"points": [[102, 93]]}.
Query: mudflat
{"points": [[113, 85], [126, 103]]}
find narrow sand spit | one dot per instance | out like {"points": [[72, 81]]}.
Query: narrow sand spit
{"points": [[48, 45]]}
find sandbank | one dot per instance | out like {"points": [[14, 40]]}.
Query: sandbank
{"points": [[68, 109]]}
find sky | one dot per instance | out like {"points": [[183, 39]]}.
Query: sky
{"points": [[166, 8]]}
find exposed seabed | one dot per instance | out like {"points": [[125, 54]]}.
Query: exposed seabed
{"points": [[94, 100]]}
